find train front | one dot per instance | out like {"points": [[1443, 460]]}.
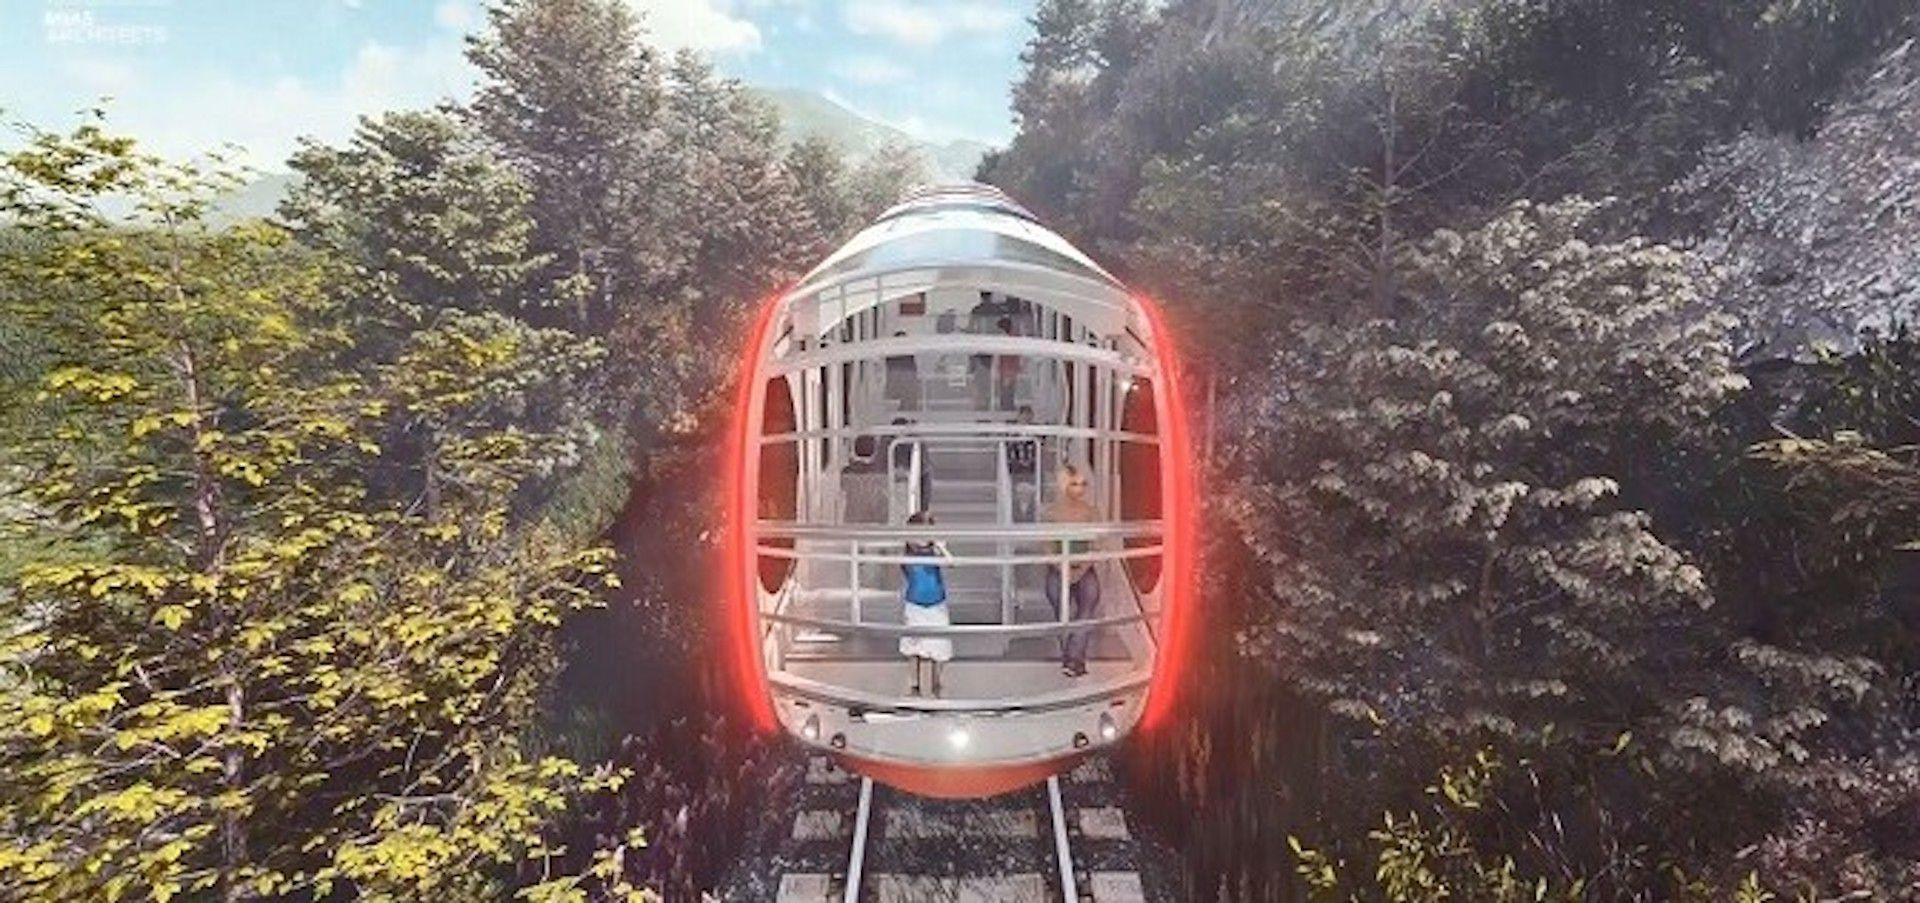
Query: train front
{"points": [[959, 360]]}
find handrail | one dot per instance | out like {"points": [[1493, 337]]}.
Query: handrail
{"points": [[834, 694], [983, 430], [962, 343], [969, 560], [915, 503], [1009, 275], [1008, 631], [1003, 512], [1043, 530]]}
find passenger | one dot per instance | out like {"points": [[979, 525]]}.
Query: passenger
{"points": [[1023, 455], [923, 591], [863, 484], [1009, 375], [980, 366], [903, 379], [866, 452], [901, 451], [1084, 581]]}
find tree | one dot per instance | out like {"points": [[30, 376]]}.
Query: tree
{"points": [[568, 97], [1073, 71], [433, 239], [425, 215], [880, 179], [1473, 439], [259, 676], [819, 174], [1462, 562]]}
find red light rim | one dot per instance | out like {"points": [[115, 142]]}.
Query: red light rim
{"points": [[741, 592], [1182, 542], [1182, 545]]}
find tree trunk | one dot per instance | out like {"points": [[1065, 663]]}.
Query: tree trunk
{"points": [[209, 555], [1383, 288], [233, 775]]}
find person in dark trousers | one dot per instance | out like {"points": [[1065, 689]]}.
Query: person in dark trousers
{"points": [[1023, 456], [980, 366], [1082, 581], [863, 484]]}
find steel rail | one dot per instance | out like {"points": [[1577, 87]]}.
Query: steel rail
{"points": [[857, 857], [1063, 851]]}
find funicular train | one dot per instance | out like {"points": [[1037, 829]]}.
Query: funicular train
{"points": [[958, 358]]}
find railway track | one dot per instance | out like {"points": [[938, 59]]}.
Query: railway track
{"points": [[853, 840]]}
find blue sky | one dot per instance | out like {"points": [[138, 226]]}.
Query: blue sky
{"points": [[188, 75]]}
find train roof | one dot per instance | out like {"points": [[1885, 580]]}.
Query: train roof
{"points": [[960, 232]]}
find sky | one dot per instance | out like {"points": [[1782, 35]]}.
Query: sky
{"points": [[187, 76]]}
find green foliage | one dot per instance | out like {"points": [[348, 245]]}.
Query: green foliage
{"points": [[568, 98], [263, 673], [1466, 459], [658, 190], [1435, 857], [1488, 479], [843, 199], [426, 218]]}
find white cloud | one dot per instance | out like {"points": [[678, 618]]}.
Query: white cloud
{"points": [[919, 23], [868, 69], [100, 76], [459, 16], [185, 113], [708, 25]]}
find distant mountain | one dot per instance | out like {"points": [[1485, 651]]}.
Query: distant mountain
{"points": [[254, 200], [807, 114], [803, 114]]}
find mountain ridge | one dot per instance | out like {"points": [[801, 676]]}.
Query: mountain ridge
{"points": [[806, 113], [803, 113]]}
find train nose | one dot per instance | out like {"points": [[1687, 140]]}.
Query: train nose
{"points": [[958, 544]]}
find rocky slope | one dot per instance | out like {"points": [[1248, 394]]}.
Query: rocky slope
{"points": [[1820, 235]]}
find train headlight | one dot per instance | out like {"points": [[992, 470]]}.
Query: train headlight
{"points": [[1108, 730], [1080, 740], [811, 729], [839, 741], [959, 738]]}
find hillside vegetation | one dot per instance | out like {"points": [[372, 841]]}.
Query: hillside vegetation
{"points": [[1562, 524], [1561, 518], [293, 513]]}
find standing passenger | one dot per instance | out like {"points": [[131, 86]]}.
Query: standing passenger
{"points": [[1083, 583], [1023, 455], [863, 484], [903, 379], [923, 591], [900, 449], [1009, 371]]}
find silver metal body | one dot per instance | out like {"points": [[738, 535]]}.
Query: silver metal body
{"points": [[952, 311]]}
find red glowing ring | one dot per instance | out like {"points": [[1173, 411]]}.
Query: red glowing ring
{"points": [[1182, 545], [740, 584]]}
